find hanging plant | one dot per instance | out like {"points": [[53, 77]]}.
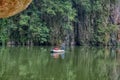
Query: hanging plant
{"points": [[11, 7]]}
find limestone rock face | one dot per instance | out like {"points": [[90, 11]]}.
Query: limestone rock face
{"points": [[11, 7], [117, 16]]}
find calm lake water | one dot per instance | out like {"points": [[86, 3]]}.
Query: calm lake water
{"points": [[78, 63]]}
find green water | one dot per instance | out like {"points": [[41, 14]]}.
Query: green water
{"points": [[78, 63]]}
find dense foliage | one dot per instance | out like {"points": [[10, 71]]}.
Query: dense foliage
{"points": [[55, 21]]}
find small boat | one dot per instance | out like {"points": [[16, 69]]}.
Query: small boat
{"points": [[57, 51]]}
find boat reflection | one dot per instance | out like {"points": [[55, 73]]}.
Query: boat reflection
{"points": [[58, 55]]}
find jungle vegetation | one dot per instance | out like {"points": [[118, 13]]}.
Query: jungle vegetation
{"points": [[50, 22]]}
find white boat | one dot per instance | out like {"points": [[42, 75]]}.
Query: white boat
{"points": [[58, 51]]}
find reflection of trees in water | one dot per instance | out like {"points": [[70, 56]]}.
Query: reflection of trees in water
{"points": [[21, 63], [115, 69], [96, 64], [118, 62], [83, 63]]}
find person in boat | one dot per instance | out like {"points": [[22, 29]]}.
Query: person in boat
{"points": [[56, 48], [63, 46]]}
